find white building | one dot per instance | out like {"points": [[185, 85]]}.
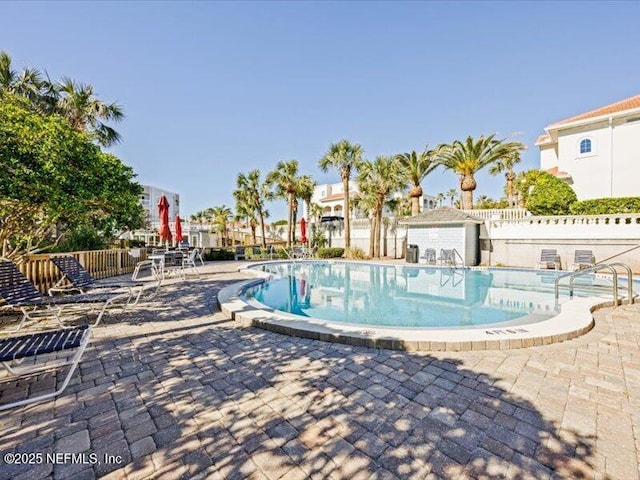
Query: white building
{"points": [[149, 200], [330, 198], [597, 152]]}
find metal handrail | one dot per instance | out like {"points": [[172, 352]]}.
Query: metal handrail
{"points": [[600, 266]]}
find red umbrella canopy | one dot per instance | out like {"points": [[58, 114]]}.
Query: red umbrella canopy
{"points": [[178, 229], [303, 230], [163, 212]]}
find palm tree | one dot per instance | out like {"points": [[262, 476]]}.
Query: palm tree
{"points": [[29, 84], [251, 196], [344, 156], [220, 217], [440, 198], [451, 195], [417, 166], [78, 104], [468, 157], [378, 180], [506, 165], [285, 183]]}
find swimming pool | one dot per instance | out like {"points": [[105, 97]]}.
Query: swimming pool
{"points": [[427, 297], [413, 307]]}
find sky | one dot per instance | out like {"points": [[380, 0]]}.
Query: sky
{"points": [[214, 89]]}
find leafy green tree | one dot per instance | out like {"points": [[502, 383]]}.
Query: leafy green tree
{"points": [[523, 184], [55, 178], [468, 157], [550, 196], [416, 167], [72, 100], [344, 156], [379, 180]]}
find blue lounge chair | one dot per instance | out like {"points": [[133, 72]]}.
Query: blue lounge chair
{"points": [[81, 280], [14, 350], [18, 292]]}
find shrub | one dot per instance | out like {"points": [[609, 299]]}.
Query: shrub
{"points": [[355, 253], [604, 206], [331, 252], [550, 196], [81, 238], [219, 254]]}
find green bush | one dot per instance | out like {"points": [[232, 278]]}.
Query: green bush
{"points": [[331, 252], [219, 254], [605, 206], [550, 196], [82, 238], [355, 253]]}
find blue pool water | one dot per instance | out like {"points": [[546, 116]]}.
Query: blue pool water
{"points": [[403, 296]]}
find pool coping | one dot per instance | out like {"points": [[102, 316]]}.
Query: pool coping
{"points": [[575, 319]]}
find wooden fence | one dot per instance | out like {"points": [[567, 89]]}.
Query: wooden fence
{"points": [[41, 271]]}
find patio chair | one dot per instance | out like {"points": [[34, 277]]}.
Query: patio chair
{"points": [[190, 261], [429, 255], [199, 256], [136, 254], [68, 342], [583, 259], [81, 280], [447, 257], [240, 254], [549, 258], [18, 292]]}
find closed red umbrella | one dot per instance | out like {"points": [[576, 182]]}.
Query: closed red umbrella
{"points": [[179, 236], [163, 213], [303, 230]]}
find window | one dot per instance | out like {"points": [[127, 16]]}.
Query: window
{"points": [[585, 146]]}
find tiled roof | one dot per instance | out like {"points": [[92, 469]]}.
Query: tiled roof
{"points": [[626, 104], [544, 138], [442, 215], [337, 196], [557, 173]]}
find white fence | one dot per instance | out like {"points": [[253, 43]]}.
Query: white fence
{"points": [[499, 213], [618, 226]]}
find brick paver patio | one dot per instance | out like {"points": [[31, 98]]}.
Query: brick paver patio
{"points": [[173, 389]]}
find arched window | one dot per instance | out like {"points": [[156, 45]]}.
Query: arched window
{"points": [[585, 146]]}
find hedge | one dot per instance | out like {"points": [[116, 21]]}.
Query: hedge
{"points": [[605, 206], [550, 196], [331, 252]]}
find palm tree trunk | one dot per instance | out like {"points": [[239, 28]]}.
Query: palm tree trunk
{"points": [[290, 209], [264, 237], [415, 206], [345, 206], [372, 235], [378, 233]]}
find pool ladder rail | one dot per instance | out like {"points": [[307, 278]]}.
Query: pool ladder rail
{"points": [[595, 268]]}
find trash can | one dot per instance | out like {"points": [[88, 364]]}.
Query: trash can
{"points": [[412, 253]]}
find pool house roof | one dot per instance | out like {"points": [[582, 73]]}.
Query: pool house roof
{"points": [[441, 216]]}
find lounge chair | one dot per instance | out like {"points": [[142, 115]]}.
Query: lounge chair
{"points": [[429, 255], [18, 292], [583, 259], [240, 254], [549, 258], [13, 350], [81, 280]]}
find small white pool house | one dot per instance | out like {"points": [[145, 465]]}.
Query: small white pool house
{"points": [[443, 236]]}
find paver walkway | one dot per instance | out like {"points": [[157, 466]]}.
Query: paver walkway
{"points": [[175, 390]]}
